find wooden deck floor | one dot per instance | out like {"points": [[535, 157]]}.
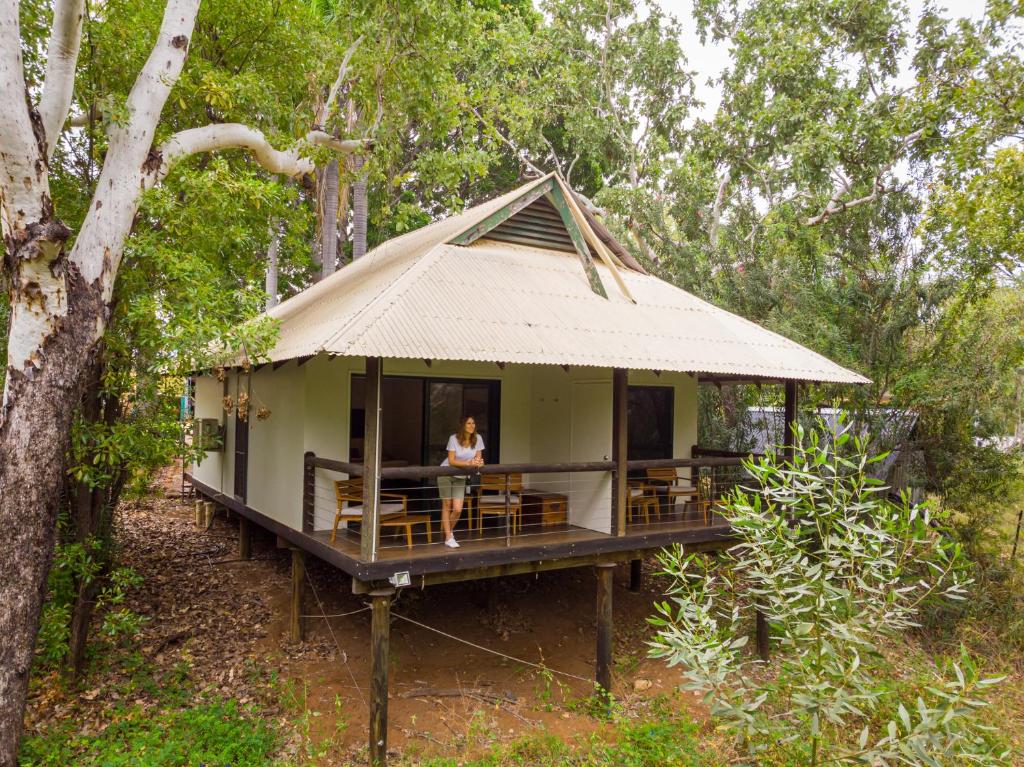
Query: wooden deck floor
{"points": [[533, 543], [488, 554]]}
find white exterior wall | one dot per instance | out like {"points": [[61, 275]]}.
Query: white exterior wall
{"points": [[215, 469], [309, 412], [327, 402], [274, 485]]}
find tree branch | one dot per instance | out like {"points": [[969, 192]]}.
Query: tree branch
{"points": [[521, 154], [100, 242], [61, 61], [716, 210], [24, 188], [212, 138], [332, 96], [836, 205]]}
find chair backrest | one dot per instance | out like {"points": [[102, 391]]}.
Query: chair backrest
{"points": [[663, 475], [705, 489], [350, 490], [496, 482]]}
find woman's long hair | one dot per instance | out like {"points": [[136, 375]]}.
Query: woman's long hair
{"points": [[463, 436]]}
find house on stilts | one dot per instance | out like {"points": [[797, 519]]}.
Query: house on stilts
{"points": [[580, 369]]}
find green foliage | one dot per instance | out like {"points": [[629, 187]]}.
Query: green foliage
{"points": [[664, 738], [205, 734], [836, 569], [75, 565]]}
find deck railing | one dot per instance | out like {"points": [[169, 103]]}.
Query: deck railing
{"points": [[725, 471]]}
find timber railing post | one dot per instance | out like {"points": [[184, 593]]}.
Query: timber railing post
{"points": [[308, 491], [620, 443], [370, 529], [380, 628], [791, 413], [508, 511]]}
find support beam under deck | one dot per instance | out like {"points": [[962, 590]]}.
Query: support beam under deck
{"points": [[380, 629], [244, 538], [296, 626], [605, 627]]}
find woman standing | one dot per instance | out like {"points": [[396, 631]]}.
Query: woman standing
{"points": [[465, 451]]}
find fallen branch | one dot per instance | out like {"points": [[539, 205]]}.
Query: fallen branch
{"points": [[452, 692]]}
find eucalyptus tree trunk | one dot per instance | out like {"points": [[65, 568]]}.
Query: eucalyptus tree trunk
{"points": [[329, 221], [60, 299], [359, 209]]}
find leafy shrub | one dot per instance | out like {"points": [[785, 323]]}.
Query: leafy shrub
{"points": [[79, 563], [218, 733], [835, 568]]}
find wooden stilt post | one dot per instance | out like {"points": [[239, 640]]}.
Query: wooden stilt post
{"points": [[244, 538], [199, 511], [605, 627], [380, 628], [208, 509], [369, 530], [295, 624], [620, 438], [762, 635], [636, 574]]}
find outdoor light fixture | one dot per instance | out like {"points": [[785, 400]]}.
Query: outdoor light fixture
{"points": [[400, 579]]}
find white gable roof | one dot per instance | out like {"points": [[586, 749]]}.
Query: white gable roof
{"points": [[417, 296]]}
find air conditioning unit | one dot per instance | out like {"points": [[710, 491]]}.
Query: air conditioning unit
{"points": [[209, 435]]}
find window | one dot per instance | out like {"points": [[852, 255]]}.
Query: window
{"points": [[419, 414], [650, 422]]}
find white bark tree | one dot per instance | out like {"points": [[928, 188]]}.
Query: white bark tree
{"points": [[60, 297]]}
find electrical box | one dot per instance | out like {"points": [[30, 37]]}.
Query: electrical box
{"points": [[209, 435]]}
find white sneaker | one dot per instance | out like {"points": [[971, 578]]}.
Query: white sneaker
{"points": [[451, 543]]}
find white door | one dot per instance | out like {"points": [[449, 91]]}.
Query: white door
{"points": [[590, 503]]}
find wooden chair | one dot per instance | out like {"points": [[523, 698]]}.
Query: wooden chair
{"points": [[668, 482], [642, 500], [495, 504], [705, 496], [394, 509]]}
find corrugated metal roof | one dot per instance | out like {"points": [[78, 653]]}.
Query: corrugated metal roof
{"points": [[418, 297]]}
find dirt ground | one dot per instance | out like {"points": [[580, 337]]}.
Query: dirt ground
{"points": [[227, 621]]}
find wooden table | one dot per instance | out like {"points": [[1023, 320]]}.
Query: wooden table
{"points": [[552, 508]]}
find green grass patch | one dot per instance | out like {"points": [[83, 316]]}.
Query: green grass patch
{"points": [[210, 734], [665, 740]]}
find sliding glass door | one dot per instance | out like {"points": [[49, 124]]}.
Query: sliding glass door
{"points": [[447, 403], [420, 414]]}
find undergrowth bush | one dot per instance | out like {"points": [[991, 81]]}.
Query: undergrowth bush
{"points": [[216, 733], [74, 565], [837, 569]]}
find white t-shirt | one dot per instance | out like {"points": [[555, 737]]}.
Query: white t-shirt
{"points": [[463, 454]]}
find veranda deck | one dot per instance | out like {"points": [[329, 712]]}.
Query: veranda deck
{"points": [[490, 554]]}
